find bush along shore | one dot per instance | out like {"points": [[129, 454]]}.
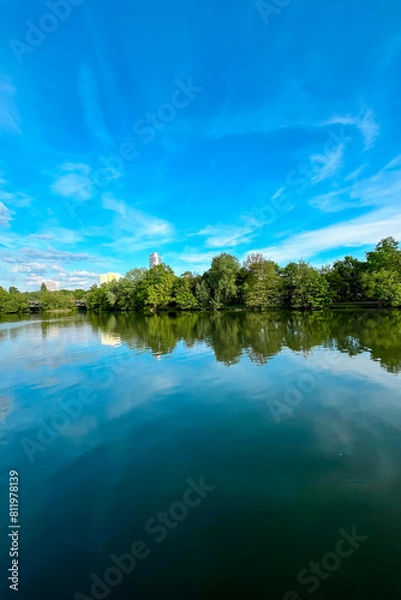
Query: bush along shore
{"points": [[258, 284]]}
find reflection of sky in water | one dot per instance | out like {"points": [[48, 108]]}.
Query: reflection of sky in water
{"points": [[199, 405], [5, 407]]}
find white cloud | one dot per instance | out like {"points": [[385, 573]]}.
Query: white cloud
{"points": [[144, 230], [327, 165], [63, 235], [91, 104], [75, 185], [228, 236], [42, 236], [23, 270], [381, 189], [17, 199], [332, 202], [359, 232], [66, 279], [51, 255], [190, 259], [365, 122], [9, 117], [5, 215], [30, 268]]}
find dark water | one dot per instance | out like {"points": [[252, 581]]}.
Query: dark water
{"points": [[292, 420]]}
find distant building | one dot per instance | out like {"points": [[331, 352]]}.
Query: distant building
{"points": [[109, 278], [110, 339], [51, 286], [154, 259]]}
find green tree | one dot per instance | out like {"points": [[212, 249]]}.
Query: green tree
{"points": [[202, 294], [17, 303], [382, 280], [3, 299], [96, 298], [384, 286], [345, 280], [79, 294], [304, 287], [158, 287], [136, 275], [125, 294], [182, 293], [386, 255], [222, 278], [262, 283]]}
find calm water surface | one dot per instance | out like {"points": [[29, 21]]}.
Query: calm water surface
{"points": [[293, 420]]}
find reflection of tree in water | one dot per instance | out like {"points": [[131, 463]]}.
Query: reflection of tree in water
{"points": [[373, 331], [382, 337], [306, 330], [261, 335], [227, 337]]}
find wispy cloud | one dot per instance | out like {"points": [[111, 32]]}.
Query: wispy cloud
{"points": [[92, 110], [73, 181], [359, 232], [132, 229], [380, 189], [42, 236], [13, 197], [365, 122], [227, 236], [9, 117], [49, 256], [328, 165], [190, 259], [30, 268], [66, 279], [5, 215], [17, 199]]}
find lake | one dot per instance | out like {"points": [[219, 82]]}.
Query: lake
{"points": [[203, 456]]}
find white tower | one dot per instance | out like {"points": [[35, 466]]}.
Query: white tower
{"points": [[154, 259]]}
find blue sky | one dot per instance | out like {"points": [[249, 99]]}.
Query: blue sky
{"points": [[194, 128]]}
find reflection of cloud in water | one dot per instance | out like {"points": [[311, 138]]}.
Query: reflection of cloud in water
{"points": [[83, 426], [45, 383], [352, 414], [357, 367], [6, 407], [145, 390], [360, 447], [110, 339], [51, 331]]}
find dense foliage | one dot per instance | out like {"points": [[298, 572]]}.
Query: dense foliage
{"points": [[15, 301], [257, 284]]}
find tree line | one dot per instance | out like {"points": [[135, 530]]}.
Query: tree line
{"points": [[258, 284], [14, 301]]}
